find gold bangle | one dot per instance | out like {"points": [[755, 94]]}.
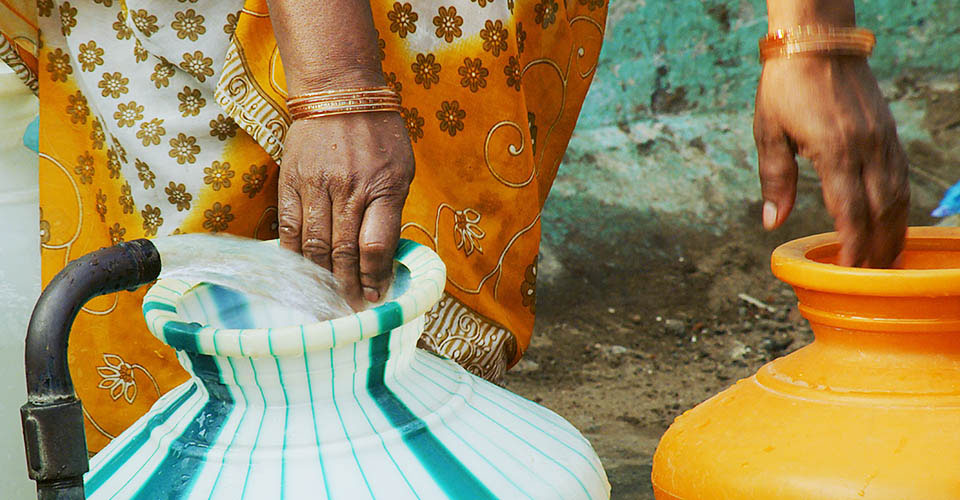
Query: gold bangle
{"points": [[817, 39], [343, 101]]}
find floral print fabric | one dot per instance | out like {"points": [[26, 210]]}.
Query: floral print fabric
{"points": [[161, 117]]}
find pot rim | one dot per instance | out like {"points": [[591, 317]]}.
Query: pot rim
{"points": [[791, 263], [427, 279]]}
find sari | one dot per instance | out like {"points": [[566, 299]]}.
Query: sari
{"points": [[168, 117]]}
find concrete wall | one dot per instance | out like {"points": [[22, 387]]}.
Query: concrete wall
{"points": [[665, 138]]}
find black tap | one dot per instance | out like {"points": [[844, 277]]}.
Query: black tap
{"points": [[53, 416]]}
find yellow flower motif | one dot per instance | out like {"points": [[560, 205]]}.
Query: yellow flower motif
{"points": [[448, 24], [139, 53], [451, 117], [97, 137], [68, 18], [402, 19], [494, 37], [162, 73], [217, 218], [90, 56], [144, 21], [177, 195], [546, 13], [231, 25], [58, 64], [44, 8], [128, 114], [145, 174], [254, 180], [101, 205], [218, 175], [426, 70], [190, 101], [392, 81], [467, 231], [223, 127], [113, 164], [152, 220], [188, 24], [414, 123], [126, 198], [84, 168], [116, 234], [197, 65], [78, 108], [120, 26], [113, 84], [513, 72], [150, 132], [184, 148], [117, 377], [473, 73]]}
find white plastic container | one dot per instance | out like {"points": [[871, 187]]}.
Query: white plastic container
{"points": [[19, 273]]}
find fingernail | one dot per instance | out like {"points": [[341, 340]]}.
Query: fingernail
{"points": [[371, 294], [769, 215]]}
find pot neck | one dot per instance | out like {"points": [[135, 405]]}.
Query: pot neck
{"points": [[325, 375], [901, 350]]}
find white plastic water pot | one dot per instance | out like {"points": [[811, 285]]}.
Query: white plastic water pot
{"points": [[19, 272]]}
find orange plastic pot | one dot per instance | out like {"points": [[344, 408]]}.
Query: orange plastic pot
{"points": [[869, 410]]}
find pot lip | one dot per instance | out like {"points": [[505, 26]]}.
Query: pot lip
{"points": [[790, 263], [427, 279]]}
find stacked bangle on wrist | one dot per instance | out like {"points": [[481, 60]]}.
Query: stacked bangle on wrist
{"points": [[817, 39], [342, 102]]}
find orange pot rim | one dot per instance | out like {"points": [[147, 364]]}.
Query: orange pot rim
{"points": [[791, 263]]}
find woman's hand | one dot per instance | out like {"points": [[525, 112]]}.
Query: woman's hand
{"points": [[830, 111], [342, 186]]}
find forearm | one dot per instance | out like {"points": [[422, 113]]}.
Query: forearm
{"points": [[787, 14], [326, 44]]}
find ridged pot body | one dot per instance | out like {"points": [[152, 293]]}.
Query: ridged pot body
{"points": [[869, 410], [348, 409]]}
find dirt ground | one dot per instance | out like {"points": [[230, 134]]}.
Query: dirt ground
{"points": [[629, 340]]}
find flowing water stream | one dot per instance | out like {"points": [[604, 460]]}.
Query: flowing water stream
{"points": [[255, 268]]}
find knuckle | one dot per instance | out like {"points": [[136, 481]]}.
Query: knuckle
{"points": [[345, 252], [316, 247], [288, 224]]}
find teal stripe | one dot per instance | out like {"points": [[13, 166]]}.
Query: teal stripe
{"points": [[383, 444], [243, 417], [110, 467], [155, 306], [514, 434], [446, 470], [188, 415], [186, 455], [313, 412], [454, 433], [333, 397], [256, 440]]}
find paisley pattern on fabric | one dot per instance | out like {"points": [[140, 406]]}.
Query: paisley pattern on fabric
{"points": [[162, 117]]}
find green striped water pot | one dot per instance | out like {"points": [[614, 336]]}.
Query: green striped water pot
{"points": [[281, 407]]}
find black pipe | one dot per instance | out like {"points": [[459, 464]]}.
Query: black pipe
{"points": [[53, 416]]}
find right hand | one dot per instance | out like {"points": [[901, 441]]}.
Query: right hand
{"points": [[343, 183], [830, 110]]}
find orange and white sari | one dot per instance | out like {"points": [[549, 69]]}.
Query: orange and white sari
{"points": [[161, 117]]}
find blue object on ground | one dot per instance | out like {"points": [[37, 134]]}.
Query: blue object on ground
{"points": [[950, 204], [31, 137]]}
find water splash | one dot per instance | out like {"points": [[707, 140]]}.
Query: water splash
{"points": [[255, 268]]}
